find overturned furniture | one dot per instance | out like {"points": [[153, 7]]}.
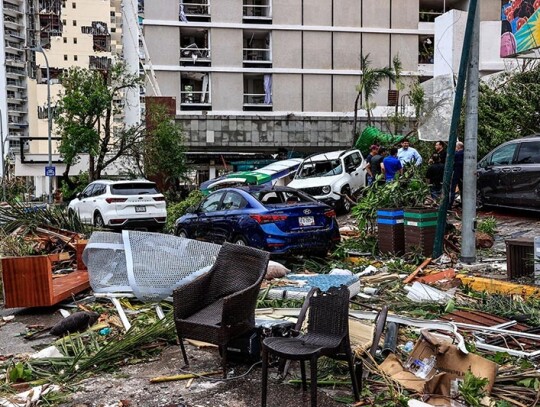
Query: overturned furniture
{"points": [[30, 281], [220, 305]]}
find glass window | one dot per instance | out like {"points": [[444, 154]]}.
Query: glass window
{"points": [[211, 203], [504, 155], [233, 201], [87, 191], [529, 153], [134, 188], [99, 189]]}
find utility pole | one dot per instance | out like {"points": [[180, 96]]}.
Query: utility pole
{"points": [[468, 195], [2, 146]]}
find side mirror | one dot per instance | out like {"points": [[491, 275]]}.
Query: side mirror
{"points": [[79, 195], [191, 209]]}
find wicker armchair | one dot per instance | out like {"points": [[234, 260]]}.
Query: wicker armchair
{"points": [[327, 335], [220, 305]]}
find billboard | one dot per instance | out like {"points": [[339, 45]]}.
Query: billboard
{"points": [[520, 32]]}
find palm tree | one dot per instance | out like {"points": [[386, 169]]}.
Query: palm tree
{"points": [[368, 86]]}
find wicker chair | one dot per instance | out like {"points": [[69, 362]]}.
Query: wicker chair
{"points": [[220, 305], [327, 335]]}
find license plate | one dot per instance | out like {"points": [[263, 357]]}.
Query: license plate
{"points": [[140, 208], [306, 220]]}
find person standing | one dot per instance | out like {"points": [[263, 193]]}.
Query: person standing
{"points": [[408, 154], [376, 163], [435, 174], [457, 175], [440, 150], [373, 150], [391, 165]]}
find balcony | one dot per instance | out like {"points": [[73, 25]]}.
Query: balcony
{"points": [[194, 49], [12, 22], [14, 84], [11, 10], [257, 11], [257, 49], [257, 92], [195, 91], [194, 10]]}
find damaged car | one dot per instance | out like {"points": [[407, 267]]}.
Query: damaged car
{"points": [[280, 220]]}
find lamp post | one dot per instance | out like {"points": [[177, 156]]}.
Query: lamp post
{"points": [[3, 158], [40, 49]]}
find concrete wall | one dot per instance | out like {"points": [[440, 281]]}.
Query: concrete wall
{"points": [[226, 11], [164, 52], [227, 91], [227, 47], [287, 12]]}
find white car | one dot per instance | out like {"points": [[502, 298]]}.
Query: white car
{"points": [[132, 203], [328, 177]]}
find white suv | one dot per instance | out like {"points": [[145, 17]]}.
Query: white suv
{"points": [[328, 177], [134, 203]]}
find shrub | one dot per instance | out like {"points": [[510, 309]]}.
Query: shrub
{"points": [[176, 210]]}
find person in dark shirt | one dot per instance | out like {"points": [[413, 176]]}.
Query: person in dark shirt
{"points": [[457, 175], [440, 150], [391, 165], [372, 153], [376, 162], [435, 174]]}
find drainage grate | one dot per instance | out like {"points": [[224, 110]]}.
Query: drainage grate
{"points": [[520, 257]]}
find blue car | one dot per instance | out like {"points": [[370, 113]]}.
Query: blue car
{"points": [[280, 220]]}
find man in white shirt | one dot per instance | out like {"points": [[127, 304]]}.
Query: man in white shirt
{"points": [[408, 154]]}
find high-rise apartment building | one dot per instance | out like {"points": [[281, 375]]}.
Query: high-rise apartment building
{"points": [[253, 76], [42, 39]]}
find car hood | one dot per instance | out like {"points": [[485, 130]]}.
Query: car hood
{"points": [[300, 183]]}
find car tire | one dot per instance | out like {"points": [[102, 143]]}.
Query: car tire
{"points": [[239, 240], [344, 204], [182, 233], [98, 220]]}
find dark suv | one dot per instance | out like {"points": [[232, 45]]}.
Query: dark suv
{"points": [[509, 176]]}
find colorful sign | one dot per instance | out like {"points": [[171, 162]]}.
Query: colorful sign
{"points": [[520, 32]]}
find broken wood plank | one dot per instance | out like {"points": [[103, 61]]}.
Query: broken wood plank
{"points": [[161, 379], [411, 276], [433, 278]]}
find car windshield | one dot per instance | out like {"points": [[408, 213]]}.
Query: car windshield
{"points": [[134, 188], [326, 168]]}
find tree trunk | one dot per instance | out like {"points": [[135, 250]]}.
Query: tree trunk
{"points": [[355, 121]]}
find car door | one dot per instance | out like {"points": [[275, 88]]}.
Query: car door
{"points": [[208, 211], [84, 207], [495, 175], [353, 166], [226, 222], [526, 175]]}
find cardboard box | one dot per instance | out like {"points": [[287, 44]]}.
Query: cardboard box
{"points": [[450, 366]]}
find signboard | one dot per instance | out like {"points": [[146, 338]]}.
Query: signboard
{"points": [[520, 32], [50, 171]]}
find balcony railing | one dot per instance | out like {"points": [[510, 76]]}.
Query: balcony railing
{"points": [[194, 97], [194, 10], [255, 99], [194, 54], [257, 11], [257, 54]]}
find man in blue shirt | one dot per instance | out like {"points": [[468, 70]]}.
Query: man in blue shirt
{"points": [[391, 165], [408, 154]]}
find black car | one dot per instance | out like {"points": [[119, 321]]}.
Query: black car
{"points": [[509, 176]]}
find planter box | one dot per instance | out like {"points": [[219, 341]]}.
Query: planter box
{"points": [[29, 281], [420, 229], [391, 232]]}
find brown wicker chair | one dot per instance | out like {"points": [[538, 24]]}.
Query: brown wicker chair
{"points": [[220, 305], [327, 335]]}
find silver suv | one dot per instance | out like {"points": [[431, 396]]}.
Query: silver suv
{"points": [[330, 177]]}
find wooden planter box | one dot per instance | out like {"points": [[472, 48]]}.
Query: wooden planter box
{"points": [[420, 229], [29, 281], [391, 232]]}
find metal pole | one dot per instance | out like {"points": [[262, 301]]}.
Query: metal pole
{"points": [[3, 158], [49, 122], [449, 165], [468, 198]]}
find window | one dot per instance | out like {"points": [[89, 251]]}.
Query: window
{"points": [[64, 22], [212, 202], [529, 153], [113, 30], [65, 40], [74, 40], [73, 5], [74, 23], [113, 13], [233, 201], [65, 57], [504, 155], [75, 58]]}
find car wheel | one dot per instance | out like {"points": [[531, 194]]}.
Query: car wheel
{"points": [[98, 220], [344, 203], [182, 233], [240, 240]]}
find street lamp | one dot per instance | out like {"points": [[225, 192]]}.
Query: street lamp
{"points": [[40, 49]]}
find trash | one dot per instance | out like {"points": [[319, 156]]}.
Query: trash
{"points": [[441, 363], [418, 270], [421, 292], [105, 331], [79, 321], [48, 352], [408, 347], [276, 270], [340, 272]]}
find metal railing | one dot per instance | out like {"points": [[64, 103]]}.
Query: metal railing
{"points": [[254, 99], [257, 54], [194, 54], [253, 10], [194, 96], [196, 8]]}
